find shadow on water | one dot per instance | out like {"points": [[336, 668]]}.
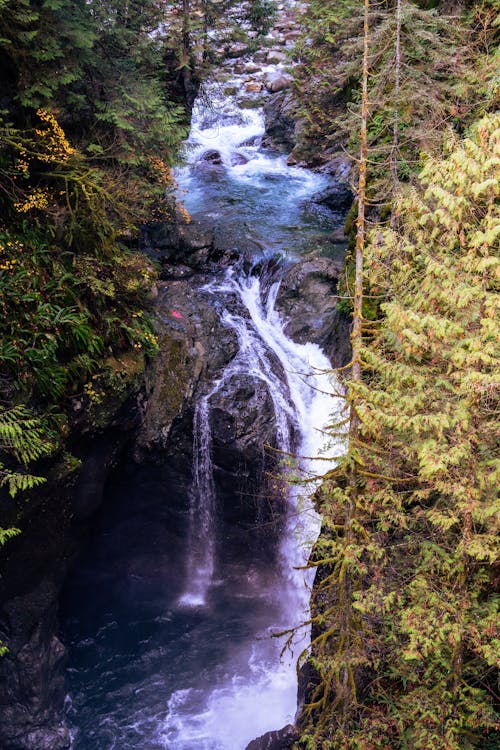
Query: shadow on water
{"points": [[146, 673], [131, 645]]}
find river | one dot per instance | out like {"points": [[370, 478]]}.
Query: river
{"points": [[159, 665]]}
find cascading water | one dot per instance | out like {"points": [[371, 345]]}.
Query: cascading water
{"points": [[201, 669], [202, 512], [258, 690]]}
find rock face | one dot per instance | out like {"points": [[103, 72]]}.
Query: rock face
{"points": [[280, 121], [195, 348], [338, 196], [282, 739], [32, 682], [32, 690], [308, 300]]}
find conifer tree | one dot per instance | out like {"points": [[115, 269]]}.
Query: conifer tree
{"points": [[425, 543]]}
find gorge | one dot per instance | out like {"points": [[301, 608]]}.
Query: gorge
{"points": [[249, 288], [194, 565]]}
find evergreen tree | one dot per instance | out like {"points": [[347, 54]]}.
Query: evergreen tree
{"points": [[423, 541], [421, 80]]}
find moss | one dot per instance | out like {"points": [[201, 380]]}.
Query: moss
{"points": [[110, 388]]}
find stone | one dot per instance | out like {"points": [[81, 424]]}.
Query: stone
{"points": [[281, 739], [275, 56], [237, 49], [275, 82], [212, 155], [252, 67], [260, 56], [238, 159], [337, 197], [253, 86]]}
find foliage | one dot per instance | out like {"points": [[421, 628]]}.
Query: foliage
{"points": [[87, 136], [262, 15], [22, 437], [442, 82], [415, 632]]}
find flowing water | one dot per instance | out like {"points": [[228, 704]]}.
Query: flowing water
{"points": [[170, 649]]}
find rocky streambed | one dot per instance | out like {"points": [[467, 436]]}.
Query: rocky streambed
{"points": [[247, 297]]}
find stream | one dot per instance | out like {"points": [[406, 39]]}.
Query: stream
{"points": [[174, 646]]}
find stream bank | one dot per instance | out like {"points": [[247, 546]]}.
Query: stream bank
{"points": [[141, 462]]}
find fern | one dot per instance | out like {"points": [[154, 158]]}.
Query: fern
{"points": [[22, 439]]}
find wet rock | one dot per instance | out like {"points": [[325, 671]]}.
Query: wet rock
{"points": [[275, 57], [246, 466], [32, 688], [175, 271], [209, 170], [278, 82], [210, 165], [280, 115], [212, 156], [281, 739], [248, 103], [308, 301], [192, 342], [238, 49], [337, 197], [254, 86], [253, 141], [241, 422], [45, 739], [238, 159]]}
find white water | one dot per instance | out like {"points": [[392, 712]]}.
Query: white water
{"points": [[206, 673], [202, 510], [258, 690]]}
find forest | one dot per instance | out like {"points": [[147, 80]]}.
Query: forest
{"points": [[96, 98]]}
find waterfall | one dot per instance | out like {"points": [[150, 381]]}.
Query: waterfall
{"points": [[257, 692], [202, 512], [198, 665]]}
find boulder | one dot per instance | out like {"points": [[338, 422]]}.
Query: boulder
{"points": [[237, 49], [279, 114], [238, 159], [254, 86], [275, 57], [336, 197], [260, 56], [278, 82], [212, 156], [252, 67], [281, 739]]}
